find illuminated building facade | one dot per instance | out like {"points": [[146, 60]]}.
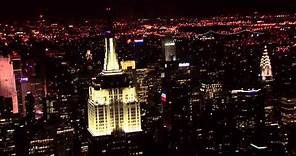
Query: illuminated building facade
{"points": [[180, 100], [142, 85], [211, 90], [287, 122], [114, 114], [41, 145], [169, 50], [176, 89], [211, 96], [249, 111], [50, 140], [129, 64], [265, 65], [138, 75], [34, 83], [19, 79], [7, 81], [113, 103], [7, 127], [288, 111]]}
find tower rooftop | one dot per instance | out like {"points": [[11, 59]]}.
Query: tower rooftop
{"points": [[111, 64]]}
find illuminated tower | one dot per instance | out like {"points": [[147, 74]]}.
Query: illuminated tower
{"points": [[88, 55], [17, 70], [7, 81], [265, 65], [112, 105], [89, 59]]}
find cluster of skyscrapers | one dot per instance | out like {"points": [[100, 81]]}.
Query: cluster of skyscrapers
{"points": [[173, 106]]}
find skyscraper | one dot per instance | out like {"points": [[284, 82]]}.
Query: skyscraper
{"points": [[265, 65], [169, 50], [114, 115], [112, 103], [7, 81], [19, 79], [287, 109], [7, 127], [30, 114]]}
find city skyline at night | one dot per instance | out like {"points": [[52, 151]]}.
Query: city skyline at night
{"points": [[147, 77]]}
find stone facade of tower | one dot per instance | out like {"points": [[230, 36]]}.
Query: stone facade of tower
{"points": [[113, 104]]}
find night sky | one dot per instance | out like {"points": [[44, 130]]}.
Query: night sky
{"points": [[139, 8]]}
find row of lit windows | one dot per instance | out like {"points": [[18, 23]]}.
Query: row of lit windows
{"points": [[39, 148], [114, 98], [41, 141], [65, 131]]}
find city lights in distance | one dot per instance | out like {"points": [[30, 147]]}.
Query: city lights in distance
{"points": [[258, 147], [184, 64], [245, 91], [24, 79], [170, 44], [139, 40], [163, 98]]}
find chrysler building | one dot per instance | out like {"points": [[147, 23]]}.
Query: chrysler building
{"points": [[265, 66]]}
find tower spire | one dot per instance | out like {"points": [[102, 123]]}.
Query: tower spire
{"points": [[111, 64], [265, 65]]}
